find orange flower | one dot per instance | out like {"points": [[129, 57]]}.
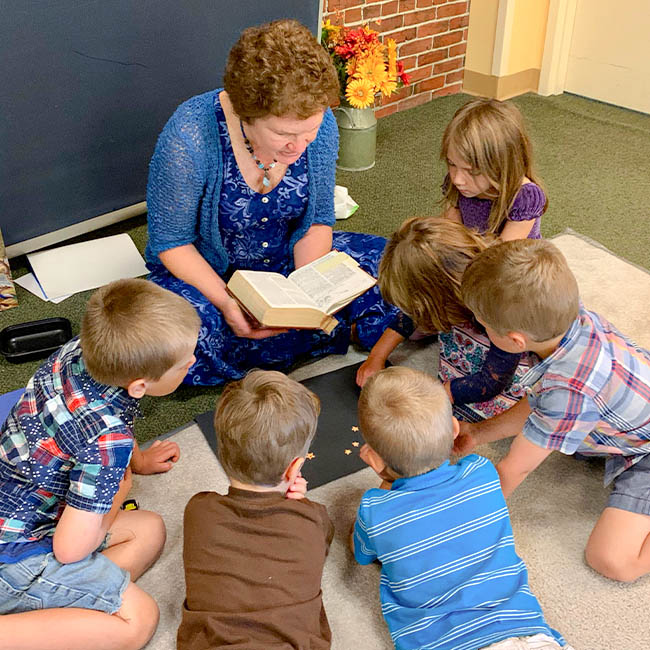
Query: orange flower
{"points": [[360, 93], [373, 69], [388, 87], [392, 58], [365, 65]]}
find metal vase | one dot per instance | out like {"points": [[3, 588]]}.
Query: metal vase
{"points": [[357, 138]]}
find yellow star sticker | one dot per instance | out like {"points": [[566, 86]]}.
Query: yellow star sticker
{"points": [[348, 452], [355, 428], [310, 456], [355, 444]]}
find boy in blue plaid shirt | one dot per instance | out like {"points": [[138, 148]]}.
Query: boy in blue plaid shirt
{"points": [[590, 393], [68, 555]]}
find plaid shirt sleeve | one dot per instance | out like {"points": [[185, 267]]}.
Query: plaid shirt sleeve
{"points": [[560, 419], [98, 470]]}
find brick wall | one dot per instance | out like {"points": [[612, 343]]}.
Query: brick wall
{"points": [[431, 38]]}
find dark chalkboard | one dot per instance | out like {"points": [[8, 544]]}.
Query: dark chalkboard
{"points": [[87, 85]]}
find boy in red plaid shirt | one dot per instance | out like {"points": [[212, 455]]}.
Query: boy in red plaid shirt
{"points": [[68, 555], [590, 393]]}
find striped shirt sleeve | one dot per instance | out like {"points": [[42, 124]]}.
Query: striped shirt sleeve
{"points": [[560, 419], [364, 552]]}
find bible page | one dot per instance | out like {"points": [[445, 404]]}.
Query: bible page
{"points": [[277, 290], [332, 280]]}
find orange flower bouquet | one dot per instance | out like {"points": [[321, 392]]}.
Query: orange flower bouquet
{"points": [[365, 65]]}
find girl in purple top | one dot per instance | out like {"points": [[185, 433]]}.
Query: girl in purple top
{"points": [[491, 185], [490, 188]]}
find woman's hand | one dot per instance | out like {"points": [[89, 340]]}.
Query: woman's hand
{"points": [[241, 326]]}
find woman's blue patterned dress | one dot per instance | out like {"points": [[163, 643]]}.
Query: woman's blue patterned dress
{"points": [[255, 229]]}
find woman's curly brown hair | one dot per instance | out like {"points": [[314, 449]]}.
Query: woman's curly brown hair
{"points": [[280, 69]]}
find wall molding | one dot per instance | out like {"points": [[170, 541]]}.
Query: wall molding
{"points": [[505, 87], [559, 31], [503, 37], [81, 228]]}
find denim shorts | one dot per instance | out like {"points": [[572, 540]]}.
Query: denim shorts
{"points": [[42, 582], [631, 489]]}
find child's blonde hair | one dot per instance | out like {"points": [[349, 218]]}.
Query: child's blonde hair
{"points": [[524, 285], [263, 422], [134, 329], [405, 416], [490, 136], [422, 267]]}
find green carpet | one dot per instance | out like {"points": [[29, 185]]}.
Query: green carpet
{"points": [[592, 157]]}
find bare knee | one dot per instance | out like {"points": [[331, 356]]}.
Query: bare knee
{"points": [[150, 533], [612, 565], [156, 530], [141, 614]]}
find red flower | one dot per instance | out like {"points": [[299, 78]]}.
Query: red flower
{"points": [[404, 78], [344, 51]]}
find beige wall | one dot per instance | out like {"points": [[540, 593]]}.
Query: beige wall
{"points": [[610, 53], [480, 37], [527, 36], [511, 32]]}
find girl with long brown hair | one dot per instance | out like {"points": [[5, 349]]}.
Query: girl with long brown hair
{"points": [[420, 272], [491, 185]]}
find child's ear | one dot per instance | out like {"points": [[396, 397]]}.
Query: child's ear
{"points": [[519, 340], [372, 458], [292, 471], [137, 388], [456, 426]]}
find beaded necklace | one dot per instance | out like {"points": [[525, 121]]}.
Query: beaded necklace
{"points": [[266, 181]]}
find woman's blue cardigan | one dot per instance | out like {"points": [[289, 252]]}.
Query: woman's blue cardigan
{"points": [[186, 175]]}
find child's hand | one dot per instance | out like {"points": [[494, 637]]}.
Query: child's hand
{"points": [[367, 369], [386, 477], [158, 458], [465, 441], [298, 489]]}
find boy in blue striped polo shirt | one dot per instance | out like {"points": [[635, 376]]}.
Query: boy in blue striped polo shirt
{"points": [[451, 578]]}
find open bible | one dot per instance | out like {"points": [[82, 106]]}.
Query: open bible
{"points": [[307, 298]]}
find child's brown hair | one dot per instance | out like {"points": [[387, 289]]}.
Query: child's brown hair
{"points": [[263, 422], [490, 136], [524, 285], [405, 416], [134, 329], [422, 267]]}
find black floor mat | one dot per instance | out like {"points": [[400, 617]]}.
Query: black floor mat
{"points": [[337, 442]]}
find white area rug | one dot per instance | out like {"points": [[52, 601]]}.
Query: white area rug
{"points": [[552, 512]]}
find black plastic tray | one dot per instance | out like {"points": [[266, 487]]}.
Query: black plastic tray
{"points": [[35, 339]]}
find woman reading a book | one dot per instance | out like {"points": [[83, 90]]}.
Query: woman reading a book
{"points": [[242, 178]]}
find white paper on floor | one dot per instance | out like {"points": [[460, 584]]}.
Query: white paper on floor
{"points": [[29, 282], [87, 265]]}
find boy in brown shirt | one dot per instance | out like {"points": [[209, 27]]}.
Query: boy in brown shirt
{"points": [[254, 557]]}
